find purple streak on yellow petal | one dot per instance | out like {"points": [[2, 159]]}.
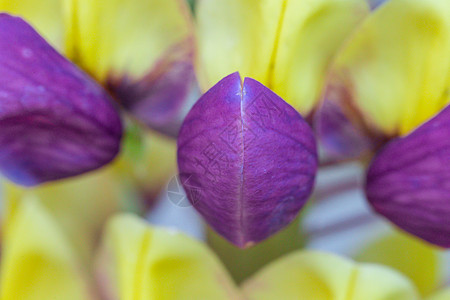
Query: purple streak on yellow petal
{"points": [[162, 98], [408, 181], [247, 160], [374, 4], [55, 121], [340, 129]]}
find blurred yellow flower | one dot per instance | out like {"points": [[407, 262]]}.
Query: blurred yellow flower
{"points": [[38, 259], [419, 261], [138, 261], [80, 206]]}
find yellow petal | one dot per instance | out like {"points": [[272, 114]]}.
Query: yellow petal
{"points": [[286, 45], [417, 260], [123, 37], [37, 260], [153, 263], [312, 32], [441, 295], [44, 15], [320, 276], [80, 206], [396, 67], [236, 35]]}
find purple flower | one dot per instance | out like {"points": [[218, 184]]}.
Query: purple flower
{"points": [[247, 160], [55, 122]]}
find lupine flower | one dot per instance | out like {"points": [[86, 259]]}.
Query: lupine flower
{"points": [[57, 122], [247, 155], [141, 50], [391, 82], [245, 158], [139, 261]]}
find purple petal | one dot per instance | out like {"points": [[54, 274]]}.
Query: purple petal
{"points": [[247, 160], [409, 181], [164, 96], [340, 129], [55, 122], [339, 137]]}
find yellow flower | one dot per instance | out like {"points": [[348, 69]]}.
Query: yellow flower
{"points": [[140, 50], [127, 46]]}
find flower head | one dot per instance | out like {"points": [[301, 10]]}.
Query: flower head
{"points": [[390, 82]]}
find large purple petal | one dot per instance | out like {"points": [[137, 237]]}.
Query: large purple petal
{"points": [[55, 122], [247, 160], [409, 181]]}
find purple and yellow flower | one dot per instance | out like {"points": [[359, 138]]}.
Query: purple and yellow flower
{"points": [[77, 75], [57, 121], [391, 83], [247, 159]]}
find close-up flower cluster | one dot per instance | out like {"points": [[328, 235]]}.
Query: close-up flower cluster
{"points": [[225, 149]]}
